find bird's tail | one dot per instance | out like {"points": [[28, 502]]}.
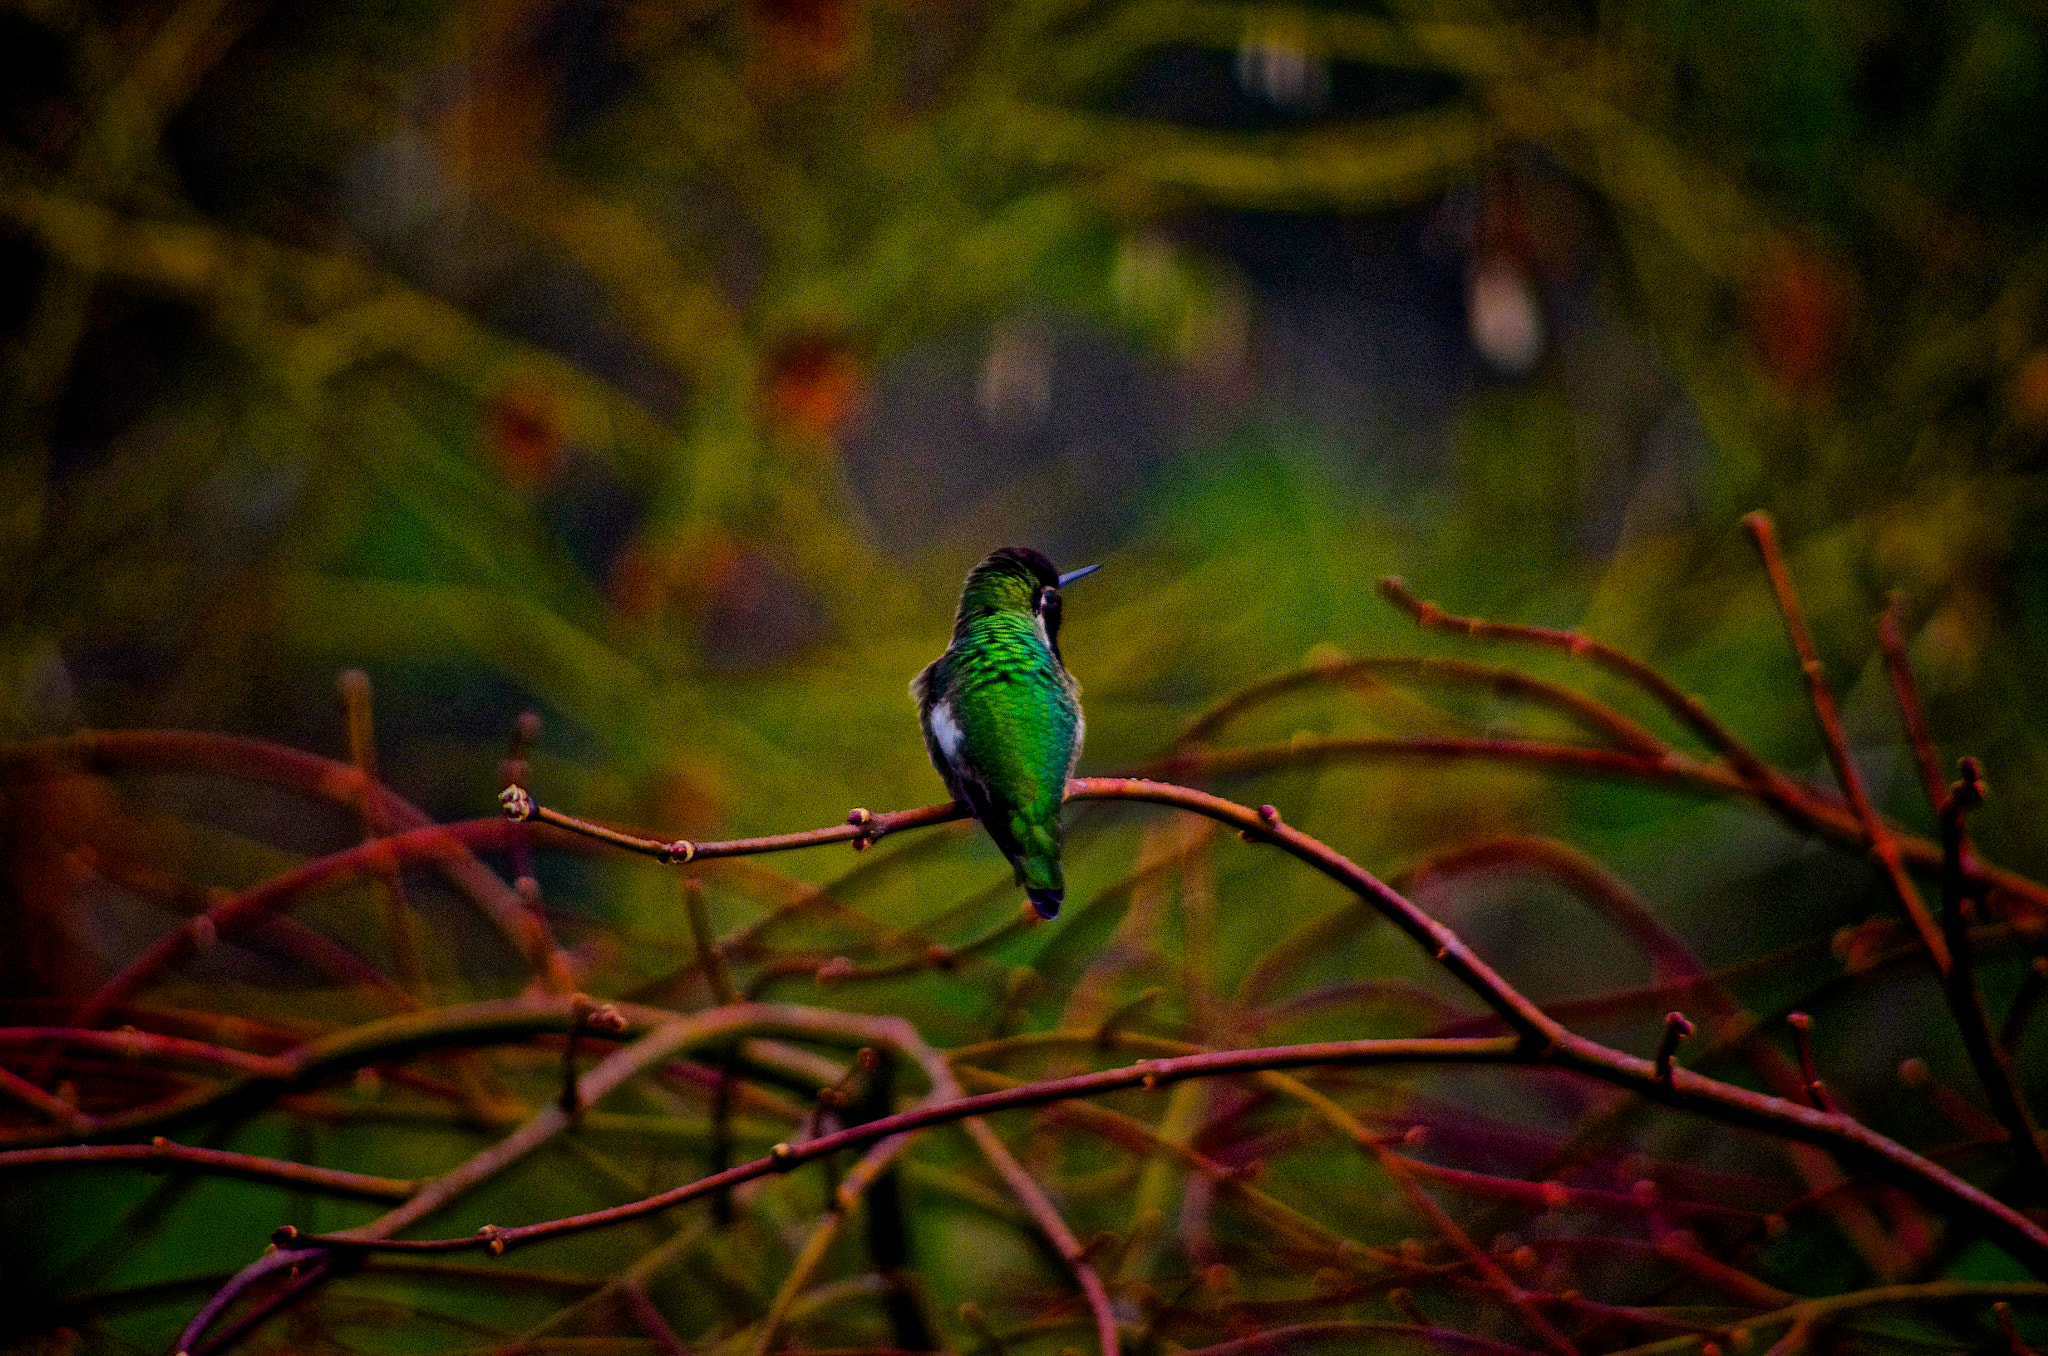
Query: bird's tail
{"points": [[1038, 865]]}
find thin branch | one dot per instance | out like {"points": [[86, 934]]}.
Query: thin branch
{"points": [[162, 1155], [1877, 835], [438, 843], [2023, 1004], [1795, 805], [1802, 1037], [710, 956], [861, 829], [1449, 951], [2013, 1341], [1686, 1090], [1830, 1306], [1399, 1169], [650, 1319], [1315, 1334], [1595, 717], [1027, 1191], [1769, 785], [787, 1157], [1891, 640], [130, 1044], [812, 1255], [19, 1090], [1144, 1140], [1676, 1029], [353, 687], [1541, 1038], [1992, 1064], [340, 784]]}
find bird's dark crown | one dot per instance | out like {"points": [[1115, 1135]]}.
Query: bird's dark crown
{"points": [[1020, 562], [1012, 579]]}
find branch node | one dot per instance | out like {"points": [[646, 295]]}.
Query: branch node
{"points": [[517, 803], [283, 1235], [679, 853], [1809, 1072], [494, 1237], [1676, 1029], [783, 1156]]}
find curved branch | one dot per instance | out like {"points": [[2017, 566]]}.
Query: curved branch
{"points": [[338, 783], [438, 843], [1595, 717], [1539, 1041]]}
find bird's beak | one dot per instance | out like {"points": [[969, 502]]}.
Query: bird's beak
{"points": [[1071, 575]]}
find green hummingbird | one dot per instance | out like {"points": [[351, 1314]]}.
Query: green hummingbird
{"points": [[1002, 716]]}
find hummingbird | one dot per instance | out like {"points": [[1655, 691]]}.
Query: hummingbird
{"points": [[1002, 716]]}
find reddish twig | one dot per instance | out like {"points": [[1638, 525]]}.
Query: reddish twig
{"points": [[1676, 1029], [1451, 952], [1992, 1064], [1307, 1334], [1686, 1090], [1802, 1037], [1669, 957], [861, 828], [599, 1019], [353, 687], [161, 1154], [2023, 1005], [1957, 1109], [650, 1319], [296, 770], [2013, 1342], [1489, 1271], [19, 1090], [128, 1043], [1876, 833], [1796, 805], [1772, 787], [1596, 717], [1891, 640], [1540, 1038], [438, 843], [710, 956]]}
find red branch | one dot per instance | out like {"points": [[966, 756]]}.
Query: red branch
{"points": [[1539, 1040]]}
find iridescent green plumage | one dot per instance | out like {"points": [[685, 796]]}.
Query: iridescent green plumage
{"points": [[1002, 716]]}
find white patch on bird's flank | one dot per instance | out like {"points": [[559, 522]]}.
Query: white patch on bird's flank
{"points": [[946, 730]]}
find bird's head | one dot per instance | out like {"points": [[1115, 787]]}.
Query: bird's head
{"points": [[1021, 580]]}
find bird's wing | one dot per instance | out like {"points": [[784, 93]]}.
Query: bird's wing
{"points": [[945, 741], [993, 811]]}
